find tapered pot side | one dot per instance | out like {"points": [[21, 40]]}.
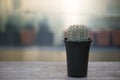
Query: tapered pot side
{"points": [[77, 53]]}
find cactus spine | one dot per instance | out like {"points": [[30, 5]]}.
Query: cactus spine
{"points": [[77, 33]]}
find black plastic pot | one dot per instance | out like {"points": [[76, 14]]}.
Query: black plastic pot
{"points": [[77, 57]]}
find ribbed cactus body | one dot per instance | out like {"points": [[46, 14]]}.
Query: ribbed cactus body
{"points": [[77, 33]]}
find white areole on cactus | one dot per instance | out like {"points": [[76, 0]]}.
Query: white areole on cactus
{"points": [[77, 33]]}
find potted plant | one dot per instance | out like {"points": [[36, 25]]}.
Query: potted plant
{"points": [[116, 38], [28, 35], [103, 38], [77, 46]]}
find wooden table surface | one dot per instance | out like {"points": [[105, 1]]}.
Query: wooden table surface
{"points": [[56, 71]]}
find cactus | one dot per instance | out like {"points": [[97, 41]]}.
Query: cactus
{"points": [[77, 33]]}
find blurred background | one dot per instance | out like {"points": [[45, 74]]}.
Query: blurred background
{"points": [[33, 30]]}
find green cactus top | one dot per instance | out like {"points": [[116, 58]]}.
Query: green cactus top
{"points": [[77, 32]]}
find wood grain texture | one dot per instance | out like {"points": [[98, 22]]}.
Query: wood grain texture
{"points": [[56, 71]]}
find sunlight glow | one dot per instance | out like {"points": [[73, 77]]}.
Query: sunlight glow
{"points": [[70, 5], [74, 8]]}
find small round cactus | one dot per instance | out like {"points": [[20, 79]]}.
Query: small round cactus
{"points": [[77, 32]]}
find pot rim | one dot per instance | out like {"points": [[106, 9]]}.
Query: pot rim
{"points": [[66, 40]]}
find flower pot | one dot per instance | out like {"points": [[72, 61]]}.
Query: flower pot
{"points": [[103, 38], [27, 37], [77, 57], [116, 38]]}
